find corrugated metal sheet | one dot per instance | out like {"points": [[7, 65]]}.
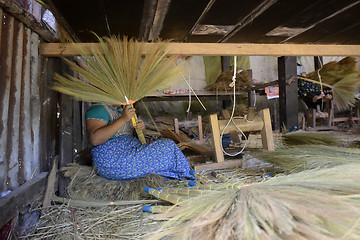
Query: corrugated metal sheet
{"points": [[20, 105]]}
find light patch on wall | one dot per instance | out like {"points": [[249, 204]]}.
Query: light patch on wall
{"points": [[212, 29], [286, 32]]}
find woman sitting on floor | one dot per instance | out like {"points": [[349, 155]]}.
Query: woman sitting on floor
{"points": [[118, 155]]}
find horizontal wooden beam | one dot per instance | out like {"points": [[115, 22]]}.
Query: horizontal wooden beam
{"points": [[21, 197], [220, 49]]}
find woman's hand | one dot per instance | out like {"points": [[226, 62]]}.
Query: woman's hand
{"points": [[140, 124], [128, 113]]}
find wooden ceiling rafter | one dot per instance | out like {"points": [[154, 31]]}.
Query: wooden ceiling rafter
{"points": [[147, 19], [263, 6], [323, 20], [207, 8]]}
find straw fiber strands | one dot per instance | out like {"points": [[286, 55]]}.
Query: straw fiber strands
{"points": [[62, 222], [305, 157], [85, 184], [243, 82], [305, 137], [313, 204], [118, 69]]}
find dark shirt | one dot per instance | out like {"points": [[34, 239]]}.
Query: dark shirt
{"points": [[307, 91]]}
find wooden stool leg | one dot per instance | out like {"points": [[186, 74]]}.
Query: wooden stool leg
{"points": [[267, 137], [314, 117], [219, 155], [176, 126], [201, 137]]}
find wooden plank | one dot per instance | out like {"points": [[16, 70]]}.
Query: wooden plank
{"points": [[21, 197], [50, 188], [200, 128], [219, 165], [219, 155], [241, 123], [267, 137], [220, 49]]}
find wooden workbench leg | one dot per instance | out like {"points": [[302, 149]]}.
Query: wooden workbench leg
{"points": [[267, 137], [219, 155], [200, 128], [176, 126]]}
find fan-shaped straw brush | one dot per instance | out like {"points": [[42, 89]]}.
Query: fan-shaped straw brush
{"points": [[119, 68]]}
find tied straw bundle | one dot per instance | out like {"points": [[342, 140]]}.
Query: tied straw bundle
{"points": [[314, 204], [117, 69]]}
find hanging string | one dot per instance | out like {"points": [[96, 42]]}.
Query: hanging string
{"points": [[188, 110], [192, 90], [233, 85], [320, 80]]}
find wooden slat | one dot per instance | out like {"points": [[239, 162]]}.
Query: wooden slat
{"points": [[267, 137], [245, 126], [219, 165], [21, 197], [216, 138], [220, 49]]}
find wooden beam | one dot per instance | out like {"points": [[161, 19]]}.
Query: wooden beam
{"points": [[29, 20], [267, 137], [219, 165], [219, 49], [288, 92], [245, 126], [219, 155], [21, 197]]}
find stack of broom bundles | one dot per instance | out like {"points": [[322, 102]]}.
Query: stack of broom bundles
{"points": [[312, 204], [342, 78], [117, 69]]}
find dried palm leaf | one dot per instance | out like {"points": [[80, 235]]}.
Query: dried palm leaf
{"points": [[315, 204]]}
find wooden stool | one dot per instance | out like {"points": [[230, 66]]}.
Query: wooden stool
{"points": [[260, 123]]}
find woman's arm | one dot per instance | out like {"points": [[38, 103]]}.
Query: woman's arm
{"points": [[98, 130]]}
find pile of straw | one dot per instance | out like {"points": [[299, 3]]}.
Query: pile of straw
{"points": [[243, 82], [302, 137], [85, 184], [59, 222], [305, 157], [314, 204]]}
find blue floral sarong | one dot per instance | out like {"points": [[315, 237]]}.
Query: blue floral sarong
{"points": [[125, 158]]}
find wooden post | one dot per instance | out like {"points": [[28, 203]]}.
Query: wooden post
{"points": [[176, 126], [219, 155], [200, 129], [267, 137], [288, 92]]}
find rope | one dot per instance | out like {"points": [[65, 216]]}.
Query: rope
{"points": [[188, 110], [232, 84]]}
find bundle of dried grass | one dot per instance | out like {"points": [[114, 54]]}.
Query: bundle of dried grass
{"points": [[85, 184], [342, 77], [117, 71], [305, 157], [119, 68], [61, 222], [243, 82], [315, 204], [302, 137]]}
